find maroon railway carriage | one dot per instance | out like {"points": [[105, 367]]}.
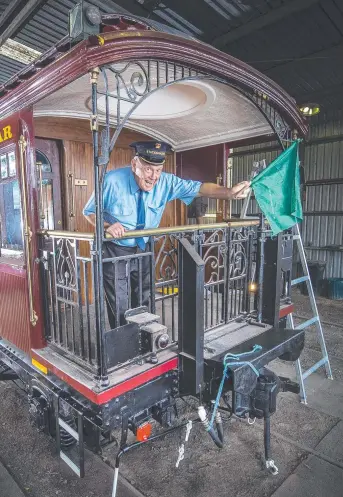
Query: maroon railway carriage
{"points": [[216, 288]]}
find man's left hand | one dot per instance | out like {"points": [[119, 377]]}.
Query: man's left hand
{"points": [[241, 190]]}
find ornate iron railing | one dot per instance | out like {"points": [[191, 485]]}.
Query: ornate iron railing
{"points": [[69, 279]]}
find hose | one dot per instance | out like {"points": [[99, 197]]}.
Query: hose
{"points": [[217, 436]]}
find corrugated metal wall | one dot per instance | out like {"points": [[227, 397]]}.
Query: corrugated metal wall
{"points": [[322, 228]]}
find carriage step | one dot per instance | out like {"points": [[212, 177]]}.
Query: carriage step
{"points": [[63, 428]]}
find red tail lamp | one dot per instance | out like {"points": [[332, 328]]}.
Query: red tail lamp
{"points": [[143, 432]]}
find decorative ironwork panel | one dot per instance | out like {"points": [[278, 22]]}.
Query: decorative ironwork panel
{"points": [[275, 119], [69, 310], [123, 86]]}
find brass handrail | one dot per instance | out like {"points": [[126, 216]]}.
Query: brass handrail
{"points": [[27, 230], [236, 223], [72, 195], [39, 166]]}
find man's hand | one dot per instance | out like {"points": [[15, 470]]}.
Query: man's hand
{"points": [[116, 230], [240, 190]]}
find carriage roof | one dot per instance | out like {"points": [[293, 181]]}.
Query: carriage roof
{"points": [[213, 101]]}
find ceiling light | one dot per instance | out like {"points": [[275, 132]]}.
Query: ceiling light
{"points": [[17, 51], [309, 109]]}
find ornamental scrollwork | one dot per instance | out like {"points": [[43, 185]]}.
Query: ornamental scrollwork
{"points": [[133, 88], [165, 258], [65, 263]]}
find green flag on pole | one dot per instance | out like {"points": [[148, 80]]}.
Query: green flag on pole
{"points": [[277, 190]]}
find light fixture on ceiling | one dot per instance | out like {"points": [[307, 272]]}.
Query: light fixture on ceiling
{"points": [[309, 109], [17, 51]]}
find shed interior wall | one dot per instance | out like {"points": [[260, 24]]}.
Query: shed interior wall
{"points": [[322, 227]]}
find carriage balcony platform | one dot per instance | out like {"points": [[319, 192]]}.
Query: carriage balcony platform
{"points": [[79, 343]]}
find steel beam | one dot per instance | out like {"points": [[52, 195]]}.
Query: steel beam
{"points": [[12, 9], [27, 10], [273, 16], [318, 94]]}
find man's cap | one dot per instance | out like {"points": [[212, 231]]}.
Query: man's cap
{"points": [[151, 152]]}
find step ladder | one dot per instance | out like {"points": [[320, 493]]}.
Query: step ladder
{"points": [[324, 361], [258, 166]]}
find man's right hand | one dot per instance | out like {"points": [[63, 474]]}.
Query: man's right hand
{"points": [[116, 230]]}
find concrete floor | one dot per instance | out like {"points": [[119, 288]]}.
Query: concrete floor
{"points": [[306, 444]]}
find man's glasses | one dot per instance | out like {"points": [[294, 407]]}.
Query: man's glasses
{"points": [[147, 168]]}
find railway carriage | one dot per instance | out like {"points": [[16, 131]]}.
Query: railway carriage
{"points": [[219, 291]]}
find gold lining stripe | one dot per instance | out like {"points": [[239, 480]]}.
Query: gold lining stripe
{"points": [[40, 366], [153, 163]]}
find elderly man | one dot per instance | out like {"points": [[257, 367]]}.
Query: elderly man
{"points": [[134, 198]]}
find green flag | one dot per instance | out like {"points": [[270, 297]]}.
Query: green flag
{"points": [[277, 190]]}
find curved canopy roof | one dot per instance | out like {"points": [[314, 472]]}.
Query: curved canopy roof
{"points": [[188, 114]]}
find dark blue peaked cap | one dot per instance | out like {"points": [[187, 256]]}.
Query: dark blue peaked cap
{"points": [[152, 152]]}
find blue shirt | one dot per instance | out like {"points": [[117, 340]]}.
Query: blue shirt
{"points": [[120, 199]]}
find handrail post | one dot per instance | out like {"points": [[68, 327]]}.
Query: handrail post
{"points": [[99, 229], [191, 318]]}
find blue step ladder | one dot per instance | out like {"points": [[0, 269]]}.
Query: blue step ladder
{"points": [[324, 361], [258, 166]]}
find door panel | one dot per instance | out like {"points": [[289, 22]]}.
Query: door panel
{"points": [[21, 316]]}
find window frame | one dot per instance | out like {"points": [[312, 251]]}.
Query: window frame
{"points": [[8, 254]]}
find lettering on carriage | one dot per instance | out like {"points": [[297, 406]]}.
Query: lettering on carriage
{"points": [[6, 134]]}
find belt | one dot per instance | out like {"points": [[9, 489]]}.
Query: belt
{"points": [[128, 249]]}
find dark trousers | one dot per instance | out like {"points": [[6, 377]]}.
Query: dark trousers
{"points": [[126, 282]]}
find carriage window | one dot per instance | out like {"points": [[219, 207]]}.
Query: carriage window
{"points": [[11, 230]]}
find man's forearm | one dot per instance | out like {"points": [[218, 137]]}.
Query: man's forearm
{"points": [[211, 190], [91, 219]]}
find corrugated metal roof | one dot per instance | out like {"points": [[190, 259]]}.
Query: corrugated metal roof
{"points": [[302, 51]]}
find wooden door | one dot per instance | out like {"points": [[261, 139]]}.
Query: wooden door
{"points": [[206, 165], [48, 170]]}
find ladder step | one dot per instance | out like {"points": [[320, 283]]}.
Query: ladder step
{"points": [[307, 323], [70, 463], [69, 429], [300, 280], [316, 366]]}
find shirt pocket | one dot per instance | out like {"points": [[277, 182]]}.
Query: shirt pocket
{"points": [[155, 213], [120, 210]]}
